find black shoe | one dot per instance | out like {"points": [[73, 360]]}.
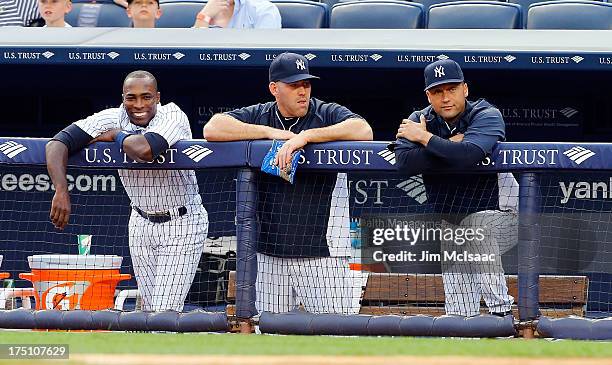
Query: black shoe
{"points": [[501, 314]]}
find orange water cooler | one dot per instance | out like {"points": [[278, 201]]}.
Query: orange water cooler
{"points": [[69, 282]]}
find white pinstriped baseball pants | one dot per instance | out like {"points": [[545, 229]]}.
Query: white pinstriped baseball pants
{"points": [[322, 285], [165, 257], [465, 282]]}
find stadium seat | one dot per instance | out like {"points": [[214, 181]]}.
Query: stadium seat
{"points": [[570, 15], [331, 3], [475, 15], [303, 13], [428, 3], [98, 15], [179, 14], [525, 5], [376, 14]]}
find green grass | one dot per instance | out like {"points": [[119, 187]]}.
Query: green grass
{"points": [[233, 344]]}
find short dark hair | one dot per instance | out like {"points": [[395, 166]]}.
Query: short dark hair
{"points": [[141, 74], [131, 1]]}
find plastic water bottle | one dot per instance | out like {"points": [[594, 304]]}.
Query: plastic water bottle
{"points": [[11, 303], [355, 232]]}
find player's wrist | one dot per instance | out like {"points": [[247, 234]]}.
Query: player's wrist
{"points": [[306, 135], [425, 137], [61, 190], [120, 137]]}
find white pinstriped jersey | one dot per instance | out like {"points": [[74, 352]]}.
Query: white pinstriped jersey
{"points": [[17, 12], [151, 190]]}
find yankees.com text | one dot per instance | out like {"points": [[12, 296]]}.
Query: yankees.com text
{"points": [[42, 182]]}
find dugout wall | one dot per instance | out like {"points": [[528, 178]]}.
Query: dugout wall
{"points": [[555, 238], [544, 82]]}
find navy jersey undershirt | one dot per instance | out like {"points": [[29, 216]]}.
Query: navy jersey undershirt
{"points": [[293, 219]]}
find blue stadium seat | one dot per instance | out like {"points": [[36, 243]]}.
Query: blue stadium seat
{"points": [[98, 15], [475, 15], [525, 5], [179, 14], [303, 13], [570, 15], [428, 3], [377, 14], [331, 3]]}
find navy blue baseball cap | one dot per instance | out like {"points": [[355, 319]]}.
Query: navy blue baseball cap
{"points": [[289, 68], [442, 72]]}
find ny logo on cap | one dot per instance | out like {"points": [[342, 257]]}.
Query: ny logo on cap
{"points": [[439, 71], [300, 64]]}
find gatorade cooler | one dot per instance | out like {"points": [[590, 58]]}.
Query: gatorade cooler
{"points": [[3, 275], [69, 282]]}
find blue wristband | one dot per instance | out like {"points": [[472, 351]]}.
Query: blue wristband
{"points": [[120, 137]]}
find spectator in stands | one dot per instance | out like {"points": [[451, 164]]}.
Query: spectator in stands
{"points": [[54, 11], [238, 14], [454, 133], [303, 234], [18, 13], [143, 13]]}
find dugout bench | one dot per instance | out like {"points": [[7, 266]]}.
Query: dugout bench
{"points": [[414, 294]]}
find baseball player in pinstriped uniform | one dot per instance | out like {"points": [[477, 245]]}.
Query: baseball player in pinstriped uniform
{"points": [[456, 133], [168, 224], [303, 245]]}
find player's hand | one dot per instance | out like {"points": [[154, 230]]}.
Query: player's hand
{"points": [[214, 7], [283, 157], [457, 138], [108, 136], [412, 130], [280, 134], [60, 209]]}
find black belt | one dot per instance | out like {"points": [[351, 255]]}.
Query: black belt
{"points": [[160, 217]]}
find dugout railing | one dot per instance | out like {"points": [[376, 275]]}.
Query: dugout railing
{"points": [[563, 220]]}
